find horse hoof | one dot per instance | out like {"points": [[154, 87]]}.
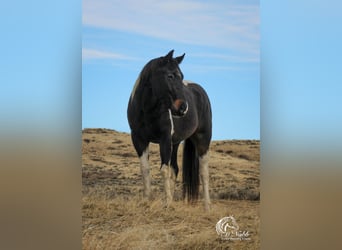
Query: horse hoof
{"points": [[207, 207]]}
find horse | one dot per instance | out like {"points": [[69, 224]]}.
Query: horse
{"points": [[165, 109]]}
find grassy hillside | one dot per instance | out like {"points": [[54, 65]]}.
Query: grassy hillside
{"points": [[115, 215]]}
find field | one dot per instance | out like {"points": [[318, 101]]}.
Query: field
{"points": [[116, 216]]}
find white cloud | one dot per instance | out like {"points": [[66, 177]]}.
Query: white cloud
{"points": [[225, 25], [98, 54]]}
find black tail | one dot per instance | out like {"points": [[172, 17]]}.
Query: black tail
{"points": [[190, 171]]}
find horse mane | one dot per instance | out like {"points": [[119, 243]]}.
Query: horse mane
{"points": [[143, 76], [136, 84]]}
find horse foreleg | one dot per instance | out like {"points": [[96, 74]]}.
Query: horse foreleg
{"points": [[166, 123], [172, 182], [168, 183], [145, 172], [174, 168], [141, 147], [204, 174]]}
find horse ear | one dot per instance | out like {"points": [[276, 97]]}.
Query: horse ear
{"points": [[179, 59], [166, 59], [169, 55]]}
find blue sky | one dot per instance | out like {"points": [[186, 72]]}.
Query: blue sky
{"points": [[301, 80], [221, 41]]}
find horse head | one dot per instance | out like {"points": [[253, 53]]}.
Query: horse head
{"points": [[166, 80]]}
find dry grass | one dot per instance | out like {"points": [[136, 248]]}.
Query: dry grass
{"points": [[134, 223], [115, 216]]}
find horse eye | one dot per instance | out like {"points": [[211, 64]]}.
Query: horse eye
{"points": [[170, 76]]}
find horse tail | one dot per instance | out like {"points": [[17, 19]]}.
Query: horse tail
{"points": [[190, 171]]}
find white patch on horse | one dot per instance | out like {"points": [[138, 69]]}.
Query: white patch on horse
{"points": [[186, 82], [145, 172], [171, 120], [136, 84], [166, 173], [204, 174]]}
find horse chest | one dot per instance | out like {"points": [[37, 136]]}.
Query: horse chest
{"points": [[183, 127], [154, 128]]}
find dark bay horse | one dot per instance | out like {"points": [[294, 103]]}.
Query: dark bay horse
{"points": [[165, 109]]}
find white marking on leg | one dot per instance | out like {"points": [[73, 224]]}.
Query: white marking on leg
{"points": [[166, 173], [145, 172], [171, 120], [204, 174]]}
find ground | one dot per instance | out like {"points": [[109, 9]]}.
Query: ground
{"points": [[116, 216]]}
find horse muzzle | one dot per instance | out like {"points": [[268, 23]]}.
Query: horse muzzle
{"points": [[179, 108]]}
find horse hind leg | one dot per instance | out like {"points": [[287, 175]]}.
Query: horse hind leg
{"points": [[204, 174]]}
